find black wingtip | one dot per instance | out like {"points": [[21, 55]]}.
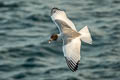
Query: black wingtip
{"points": [[72, 65], [76, 67], [55, 8]]}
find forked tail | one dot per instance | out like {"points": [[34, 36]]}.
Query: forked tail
{"points": [[85, 35]]}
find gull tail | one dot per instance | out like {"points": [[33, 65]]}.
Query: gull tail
{"points": [[85, 35]]}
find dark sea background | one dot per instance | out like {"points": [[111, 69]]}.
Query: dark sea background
{"points": [[26, 26]]}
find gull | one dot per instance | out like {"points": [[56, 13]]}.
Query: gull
{"points": [[70, 36]]}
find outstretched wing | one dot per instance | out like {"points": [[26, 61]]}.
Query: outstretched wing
{"points": [[63, 26], [57, 14], [72, 53]]}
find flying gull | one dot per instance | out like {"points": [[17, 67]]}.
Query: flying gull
{"points": [[71, 38]]}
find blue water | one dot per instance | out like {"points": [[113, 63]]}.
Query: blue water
{"points": [[25, 27]]}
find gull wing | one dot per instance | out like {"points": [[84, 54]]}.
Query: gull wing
{"points": [[67, 21], [72, 53], [61, 15], [63, 26]]}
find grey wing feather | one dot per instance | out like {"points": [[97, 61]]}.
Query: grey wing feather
{"points": [[62, 25]]}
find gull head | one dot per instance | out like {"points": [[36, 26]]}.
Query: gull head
{"points": [[53, 37]]}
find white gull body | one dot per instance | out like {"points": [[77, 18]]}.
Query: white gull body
{"points": [[71, 38]]}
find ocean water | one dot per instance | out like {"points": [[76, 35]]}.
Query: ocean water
{"points": [[25, 27]]}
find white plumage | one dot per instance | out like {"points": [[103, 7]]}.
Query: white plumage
{"points": [[71, 38]]}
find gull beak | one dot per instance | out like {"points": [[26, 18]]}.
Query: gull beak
{"points": [[49, 41]]}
